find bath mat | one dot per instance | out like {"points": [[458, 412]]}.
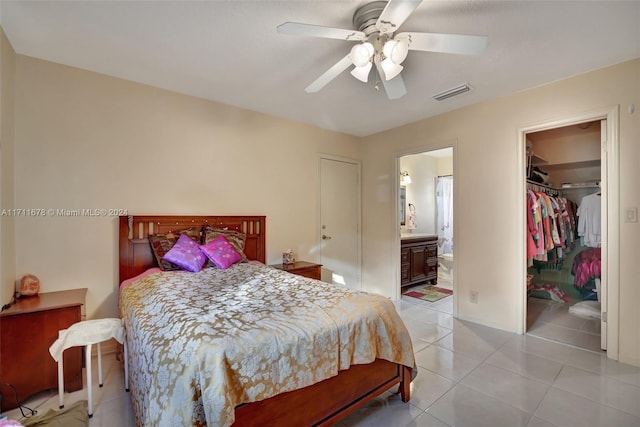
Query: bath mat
{"points": [[429, 293]]}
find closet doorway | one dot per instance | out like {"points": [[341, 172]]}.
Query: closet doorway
{"points": [[426, 227], [569, 234]]}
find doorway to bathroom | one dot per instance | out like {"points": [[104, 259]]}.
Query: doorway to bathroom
{"points": [[426, 190]]}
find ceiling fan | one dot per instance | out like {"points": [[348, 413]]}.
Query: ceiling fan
{"points": [[377, 23]]}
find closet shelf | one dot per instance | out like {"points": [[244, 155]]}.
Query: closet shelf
{"points": [[590, 184], [533, 159], [572, 165], [536, 160]]}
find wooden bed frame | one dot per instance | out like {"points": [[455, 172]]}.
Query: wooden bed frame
{"points": [[320, 404]]}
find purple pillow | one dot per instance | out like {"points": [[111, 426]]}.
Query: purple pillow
{"points": [[186, 254], [221, 252]]}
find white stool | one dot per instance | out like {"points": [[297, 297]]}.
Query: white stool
{"points": [[87, 333]]}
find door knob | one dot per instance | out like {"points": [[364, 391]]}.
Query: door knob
{"points": [[325, 237]]}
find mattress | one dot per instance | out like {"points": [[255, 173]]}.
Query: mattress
{"points": [[202, 343]]}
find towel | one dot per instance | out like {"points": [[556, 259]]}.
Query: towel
{"points": [[411, 222], [87, 332]]}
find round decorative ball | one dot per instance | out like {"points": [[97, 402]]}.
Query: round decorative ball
{"points": [[29, 285]]}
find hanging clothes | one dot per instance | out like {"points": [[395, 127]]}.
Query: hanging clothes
{"points": [[532, 226], [551, 229], [590, 220]]}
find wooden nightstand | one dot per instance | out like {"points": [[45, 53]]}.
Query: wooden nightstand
{"points": [[27, 329], [301, 268]]}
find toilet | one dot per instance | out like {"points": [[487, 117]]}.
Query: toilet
{"points": [[445, 267]]}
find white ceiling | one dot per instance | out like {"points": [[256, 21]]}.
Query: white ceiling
{"points": [[229, 51]]}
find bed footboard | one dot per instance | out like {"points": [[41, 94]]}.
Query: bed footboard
{"points": [[328, 401]]}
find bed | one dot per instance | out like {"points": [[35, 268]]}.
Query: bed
{"points": [[333, 364]]}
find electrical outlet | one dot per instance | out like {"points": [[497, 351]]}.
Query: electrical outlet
{"points": [[631, 214], [473, 297]]}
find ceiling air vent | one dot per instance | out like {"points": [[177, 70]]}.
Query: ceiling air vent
{"points": [[452, 92]]}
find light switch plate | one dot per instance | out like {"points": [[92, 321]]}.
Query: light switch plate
{"points": [[631, 215]]}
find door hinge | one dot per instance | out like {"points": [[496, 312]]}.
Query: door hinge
{"points": [[604, 146], [604, 317]]}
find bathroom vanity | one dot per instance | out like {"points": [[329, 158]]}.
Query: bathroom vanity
{"points": [[418, 259]]}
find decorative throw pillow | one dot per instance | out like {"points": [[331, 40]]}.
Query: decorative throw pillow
{"points": [[221, 252], [162, 243], [236, 238], [186, 254]]}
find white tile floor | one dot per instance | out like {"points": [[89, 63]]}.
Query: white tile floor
{"points": [[468, 375], [471, 375], [552, 320]]}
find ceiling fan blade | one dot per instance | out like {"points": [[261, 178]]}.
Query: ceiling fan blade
{"points": [[329, 75], [298, 29], [394, 14], [395, 87], [446, 43]]}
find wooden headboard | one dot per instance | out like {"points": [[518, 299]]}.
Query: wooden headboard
{"points": [[135, 251]]}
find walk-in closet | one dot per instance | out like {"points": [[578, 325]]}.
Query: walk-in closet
{"points": [[564, 223]]}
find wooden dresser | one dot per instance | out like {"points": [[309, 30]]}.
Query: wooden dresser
{"points": [[302, 268], [27, 330], [418, 260]]}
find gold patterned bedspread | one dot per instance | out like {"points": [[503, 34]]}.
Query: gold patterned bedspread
{"points": [[202, 343]]}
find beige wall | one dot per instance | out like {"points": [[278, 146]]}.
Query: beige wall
{"points": [[7, 229], [85, 140], [570, 146], [445, 166], [571, 154], [488, 229]]}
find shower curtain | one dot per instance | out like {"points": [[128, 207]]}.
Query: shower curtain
{"points": [[444, 202]]}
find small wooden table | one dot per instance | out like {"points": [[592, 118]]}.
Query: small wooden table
{"points": [[302, 268], [27, 330]]}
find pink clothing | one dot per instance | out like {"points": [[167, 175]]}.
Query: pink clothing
{"points": [[551, 226], [586, 266], [532, 228]]}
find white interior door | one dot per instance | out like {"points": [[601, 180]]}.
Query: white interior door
{"points": [[340, 222], [602, 292]]}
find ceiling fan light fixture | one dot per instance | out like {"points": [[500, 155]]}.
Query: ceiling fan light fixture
{"points": [[405, 178], [396, 50], [378, 43], [362, 73], [361, 54], [390, 68]]}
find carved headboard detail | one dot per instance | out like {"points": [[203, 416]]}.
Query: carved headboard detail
{"points": [[135, 251]]}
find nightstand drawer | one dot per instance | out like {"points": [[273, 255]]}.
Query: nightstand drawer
{"points": [[302, 268], [310, 272]]}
